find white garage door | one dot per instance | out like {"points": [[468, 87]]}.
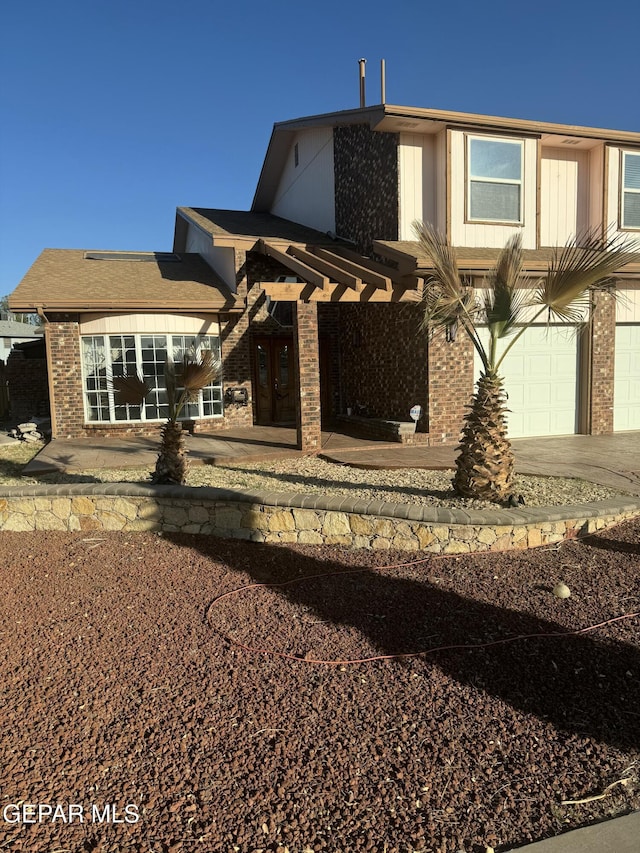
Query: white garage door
{"points": [[626, 392], [541, 379]]}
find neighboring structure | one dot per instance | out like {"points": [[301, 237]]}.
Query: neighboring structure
{"points": [[312, 296], [12, 332]]}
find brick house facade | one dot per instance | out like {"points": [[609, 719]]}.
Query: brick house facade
{"points": [[312, 296]]}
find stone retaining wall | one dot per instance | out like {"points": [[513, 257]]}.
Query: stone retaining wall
{"points": [[298, 518]]}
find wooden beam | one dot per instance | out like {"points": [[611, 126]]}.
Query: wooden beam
{"points": [[300, 269], [366, 273], [380, 268], [301, 292], [336, 273]]}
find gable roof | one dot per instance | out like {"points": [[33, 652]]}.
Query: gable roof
{"points": [[67, 280], [397, 119]]}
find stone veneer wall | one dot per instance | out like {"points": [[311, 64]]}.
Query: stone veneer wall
{"points": [[366, 185], [302, 519], [602, 328]]}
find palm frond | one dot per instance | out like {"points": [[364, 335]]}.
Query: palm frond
{"points": [[585, 263], [503, 299], [445, 294], [171, 385], [197, 374], [129, 390], [448, 297]]}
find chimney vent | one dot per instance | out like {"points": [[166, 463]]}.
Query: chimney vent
{"points": [[362, 63]]}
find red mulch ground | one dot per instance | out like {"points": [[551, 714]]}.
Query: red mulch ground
{"points": [[119, 686]]}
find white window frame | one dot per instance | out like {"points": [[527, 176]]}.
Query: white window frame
{"points": [[470, 178], [624, 190], [104, 380]]}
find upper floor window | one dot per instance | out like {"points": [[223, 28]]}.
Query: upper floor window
{"points": [[630, 190], [494, 179]]}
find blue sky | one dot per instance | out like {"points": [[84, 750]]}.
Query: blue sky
{"points": [[114, 112]]}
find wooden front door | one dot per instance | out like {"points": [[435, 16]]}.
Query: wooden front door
{"points": [[275, 381]]}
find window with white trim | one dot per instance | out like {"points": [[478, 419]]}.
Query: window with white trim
{"points": [[494, 179], [630, 206], [104, 356]]}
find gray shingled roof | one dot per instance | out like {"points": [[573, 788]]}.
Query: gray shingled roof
{"points": [[13, 329]]}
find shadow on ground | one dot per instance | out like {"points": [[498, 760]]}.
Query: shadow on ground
{"points": [[584, 684]]}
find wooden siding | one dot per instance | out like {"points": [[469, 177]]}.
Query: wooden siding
{"points": [[488, 235], [564, 195], [305, 192], [628, 304], [596, 186], [416, 164], [221, 260], [158, 324]]}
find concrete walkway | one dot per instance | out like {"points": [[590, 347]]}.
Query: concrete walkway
{"points": [[621, 835], [610, 460]]}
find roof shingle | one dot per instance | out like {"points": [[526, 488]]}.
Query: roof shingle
{"points": [[64, 280]]}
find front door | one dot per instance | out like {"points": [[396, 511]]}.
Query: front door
{"points": [[275, 380]]}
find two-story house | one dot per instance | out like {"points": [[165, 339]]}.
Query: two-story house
{"points": [[312, 296]]}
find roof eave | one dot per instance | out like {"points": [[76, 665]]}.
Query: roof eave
{"points": [[379, 115], [83, 306]]}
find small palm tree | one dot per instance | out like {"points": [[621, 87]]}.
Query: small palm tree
{"points": [[510, 304], [183, 384]]}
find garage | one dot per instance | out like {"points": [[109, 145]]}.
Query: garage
{"points": [[541, 379], [626, 390]]}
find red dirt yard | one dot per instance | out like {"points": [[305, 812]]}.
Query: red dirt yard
{"points": [[125, 694]]}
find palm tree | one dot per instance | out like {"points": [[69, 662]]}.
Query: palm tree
{"points": [[511, 302], [183, 384]]}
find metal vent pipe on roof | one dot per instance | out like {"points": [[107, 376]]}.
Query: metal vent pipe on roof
{"points": [[383, 83], [362, 63]]}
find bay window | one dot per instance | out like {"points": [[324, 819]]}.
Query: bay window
{"points": [[106, 356]]}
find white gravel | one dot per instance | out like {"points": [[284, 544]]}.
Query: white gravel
{"points": [[313, 475]]}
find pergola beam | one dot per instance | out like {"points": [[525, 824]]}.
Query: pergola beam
{"points": [[302, 292], [335, 273], [368, 275], [300, 269]]}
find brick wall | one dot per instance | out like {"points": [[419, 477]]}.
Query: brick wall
{"points": [[603, 330], [366, 185], [388, 365], [450, 368], [65, 382], [384, 360], [305, 346], [329, 340], [28, 386]]}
